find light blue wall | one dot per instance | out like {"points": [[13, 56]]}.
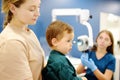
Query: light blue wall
{"points": [[95, 7]]}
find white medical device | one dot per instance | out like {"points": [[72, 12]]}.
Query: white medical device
{"points": [[84, 41]]}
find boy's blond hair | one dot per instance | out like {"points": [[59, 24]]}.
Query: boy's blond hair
{"points": [[56, 30]]}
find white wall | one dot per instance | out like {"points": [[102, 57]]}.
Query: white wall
{"points": [[111, 22]]}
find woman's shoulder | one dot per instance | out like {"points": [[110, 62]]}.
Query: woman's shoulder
{"points": [[110, 56], [91, 52], [9, 35]]}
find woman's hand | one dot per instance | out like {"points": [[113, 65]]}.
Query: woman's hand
{"points": [[88, 62]]}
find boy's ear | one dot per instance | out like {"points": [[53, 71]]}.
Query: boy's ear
{"points": [[12, 8], [54, 41]]}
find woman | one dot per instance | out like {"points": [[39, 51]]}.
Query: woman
{"points": [[21, 56], [100, 60]]}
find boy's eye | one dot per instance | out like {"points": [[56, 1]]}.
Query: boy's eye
{"points": [[69, 41], [32, 10]]}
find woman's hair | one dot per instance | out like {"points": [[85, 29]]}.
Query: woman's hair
{"points": [[109, 48], [56, 30], [6, 9]]}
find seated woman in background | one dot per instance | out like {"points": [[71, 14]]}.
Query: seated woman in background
{"points": [[100, 61]]}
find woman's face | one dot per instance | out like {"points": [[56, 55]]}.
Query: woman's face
{"points": [[103, 40], [28, 12]]}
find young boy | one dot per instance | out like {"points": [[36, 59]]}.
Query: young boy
{"points": [[59, 36]]}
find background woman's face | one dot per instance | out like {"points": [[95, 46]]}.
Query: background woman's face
{"points": [[103, 40]]}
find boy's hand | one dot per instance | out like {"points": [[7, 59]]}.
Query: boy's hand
{"points": [[84, 78]]}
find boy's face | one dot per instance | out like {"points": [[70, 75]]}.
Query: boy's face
{"points": [[65, 44]]}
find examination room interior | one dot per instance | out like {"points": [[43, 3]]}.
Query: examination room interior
{"points": [[105, 14]]}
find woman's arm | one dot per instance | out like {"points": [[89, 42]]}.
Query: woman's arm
{"points": [[29, 78], [14, 61], [106, 76]]}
